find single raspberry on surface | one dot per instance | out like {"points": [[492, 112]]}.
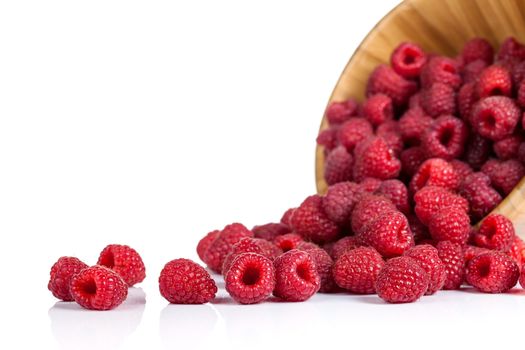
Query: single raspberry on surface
{"points": [[354, 131], [481, 196], [296, 277], [495, 117], [343, 245], [466, 99], [462, 169], [412, 125], [492, 272], [182, 281], [397, 192], [327, 138], [288, 241], [250, 279], [223, 243], [477, 49], [389, 234], [508, 147], [60, 276], [402, 280], [339, 112], [310, 221], [356, 270], [471, 71], [340, 200], [478, 151], [428, 258], [205, 243], [494, 80], [504, 175], [378, 108], [517, 251], [435, 172], [411, 159], [451, 255], [98, 288], [431, 199], [286, 219], [374, 158], [368, 209], [385, 80], [450, 224], [270, 231], [323, 263], [511, 49], [125, 261], [338, 166], [445, 138], [438, 99], [407, 60], [495, 232], [245, 245], [440, 69]]}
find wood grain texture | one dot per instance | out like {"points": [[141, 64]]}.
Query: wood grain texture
{"points": [[438, 26]]}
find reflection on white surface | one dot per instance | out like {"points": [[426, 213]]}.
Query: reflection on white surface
{"points": [[76, 328]]}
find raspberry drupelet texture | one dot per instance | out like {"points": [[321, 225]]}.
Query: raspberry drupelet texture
{"points": [[477, 49], [354, 131], [378, 108], [504, 175], [327, 138], [310, 221], [440, 69], [435, 172], [269, 249], [323, 263], [286, 219], [384, 80], [389, 131], [495, 117], [445, 138], [296, 277], [431, 199], [451, 255], [356, 270], [471, 71], [411, 159], [338, 166], [221, 246], [478, 151], [288, 241], [343, 245], [60, 276], [368, 209], [270, 231], [306, 246], [408, 59], [517, 251], [508, 147], [98, 288], [462, 169], [428, 258], [494, 80], [511, 49], [340, 200], [339, 112], [495, 232], [412, 125], [250, 279], [401, 280], [482, 197], [438, 99], [397, 193], [374, 158], [450, 224], [369, 185], [125, 261], [492, 272], [245, 245], [471, 251], [465, 100], [205, 243], [182, 281]]}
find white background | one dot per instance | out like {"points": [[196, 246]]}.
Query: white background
{"points": [[151, 123]]}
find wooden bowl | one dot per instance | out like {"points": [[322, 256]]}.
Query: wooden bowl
{"points": [[437, 26]]}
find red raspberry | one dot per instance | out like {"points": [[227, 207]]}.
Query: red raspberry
{"points": [[451, 254], [440, 69], [384, 80], [288, 241], [125, 261], [98, 288], [419, 230], [478, 151], [411, 159], [269, 250], [270, 231], [328, 138], [445, 138], [518, 73], [343, 245], [378, 108], [305, 246], [477, 49], [428, 258], [466, 100], [205, 243], [462, 169], [389, 234], [495, 117], [517, 251], [357, 270], [511, 49], [508, 147], [323, 263], [369, 185], [495, 80], [438, 99], [250, 279], [481, 196], [296, 276], [373, 158], [340, 200], [413, 124], [415, 100], [495, 232], [450, 224], [397, 192], [521, 96], [286, 219], [471, 252], [389, 131], [368, 209], [221, 246], [492, 272], [435, 172], [311, 222], [401, 280], [60, 276], [339, 112], [408, 59], [182, 281], [354, 131], [521, 153], [338, 166], [472, 71], [522, 278], [245, 245], [430, 199], [505, 175]]}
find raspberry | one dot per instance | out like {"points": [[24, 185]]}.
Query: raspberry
{"points": [[508, 147], [368, 209], [445, 138], [521, 153], [428, 258], [505, 175], [296, 277], [384, 80], [451, 255], [328, 139], [435, 172], [354, 131], [472, 71], [477, 49], [205, 243], [343, 245], [438, 99], [411, 159], [511, 49], [478, 151], [378, 108], [339, 112], [471, 252], [522, 278], [221, 246], [373, 158], [466, 100], [304, 246], [369, 185], [450, 224], [492, 272], [311, 222], [462, 169], [60, 276], [269, 250], [494, 80], [413, 124], [389, 234], [419, 231], [408, 59], [517, 251], [495, 117], [286, 219], [415, 100], [125, 261], [518, 73], [401, 280], [288, 241], [250, 279], [495, 232], [270, 231], [340, 200], [481, 196], [389, 131], [323, 263], [397, 192], [182, 281], [430, 199], [98, 288], [440, 69], [357, 270], [338, 166], [245, 245], [521, 96]]}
